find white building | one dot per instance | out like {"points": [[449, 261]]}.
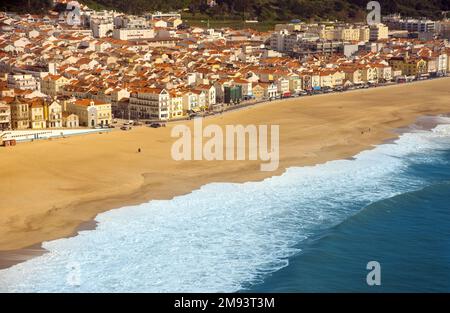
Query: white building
{"points": [[133, 34], [102, 29], [150, 103], [23, 81]]}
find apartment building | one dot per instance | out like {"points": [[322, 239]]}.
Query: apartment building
{"points": [[409, 66], [52, 84], [410, 25], [378, 32], [318, 47], [23, 82], [210, 94], [37, 116], [53, 114], [345, 33], [176, 105], [101, 29], [133, 33], [150, 103], [5, 116], [20, 114]]}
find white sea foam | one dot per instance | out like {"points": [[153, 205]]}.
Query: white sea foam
{"points": [[222, 237]]}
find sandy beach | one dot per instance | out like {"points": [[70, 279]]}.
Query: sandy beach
{"points": [[49, 188]]}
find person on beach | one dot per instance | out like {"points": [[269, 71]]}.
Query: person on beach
{"points": [[139, 150]]}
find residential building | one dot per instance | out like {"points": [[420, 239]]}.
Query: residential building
{"points": [[176, 105], [20, 114], [23, 82], [5, 116], [150, 103], [258, 91], [70, 120], [53, 114], [283, 87], [410, 66], [210, 94], [133, 33], [37, 118], [190, 102], [378, 32], [52, 84], [102, 29]]}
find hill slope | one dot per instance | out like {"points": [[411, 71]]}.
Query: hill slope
{"points": [[260, 9]]}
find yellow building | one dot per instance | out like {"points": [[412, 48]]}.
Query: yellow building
{"points": [[37, 116], [409, 66], [353, 74], [379, 32], [52, 84], [258, 91], [364, 34], [348, 34], [91, 113], [176, 105], [369, 74]]}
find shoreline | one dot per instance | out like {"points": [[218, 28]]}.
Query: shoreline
{"points": [[145, 189], [13, 257]]}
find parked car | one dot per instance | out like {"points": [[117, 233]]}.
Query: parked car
{"points": [[155, 125], [125, 128]]}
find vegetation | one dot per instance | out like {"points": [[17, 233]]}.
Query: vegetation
{"points": [[263, 10]]}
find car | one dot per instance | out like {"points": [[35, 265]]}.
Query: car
{"points": [[112, 126], [155, 125], [136, 123], [125, 128]]}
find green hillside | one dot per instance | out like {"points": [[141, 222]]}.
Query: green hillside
{"points": [[263, 10]]}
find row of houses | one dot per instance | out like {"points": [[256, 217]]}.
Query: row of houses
{"points": [[20, 113], [191, 70]]}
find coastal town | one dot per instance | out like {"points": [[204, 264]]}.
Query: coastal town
{"points": [[90, 69]]}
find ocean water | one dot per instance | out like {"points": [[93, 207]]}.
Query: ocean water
{"points": [[311, 229]]}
